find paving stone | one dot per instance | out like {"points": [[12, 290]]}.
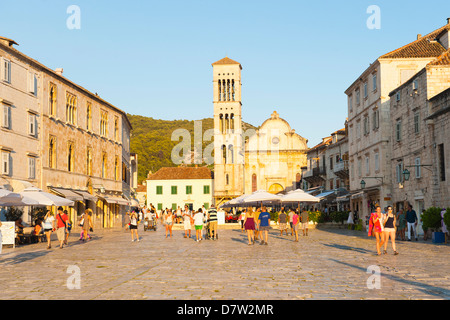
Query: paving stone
{"points": [[328, 264]]}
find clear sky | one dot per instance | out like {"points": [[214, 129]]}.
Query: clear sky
{"points": [[153, 58]]}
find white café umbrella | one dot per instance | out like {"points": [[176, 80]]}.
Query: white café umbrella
{"points": [[45, 198], [13, 199], [299, 196], [261, 197]]}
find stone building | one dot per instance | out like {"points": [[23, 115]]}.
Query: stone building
{"points": [[419, 123], [274, 156], [241, 158], [369, 118], [79, 142], [439, 124], [326, 174], [173, 187]]}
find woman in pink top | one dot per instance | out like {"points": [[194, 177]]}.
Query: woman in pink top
{"points": [[376, 227], [295, 222]]}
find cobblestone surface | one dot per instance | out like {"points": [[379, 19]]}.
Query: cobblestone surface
{"points": [[327, 264]]}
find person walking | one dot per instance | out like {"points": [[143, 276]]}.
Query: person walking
{"points": [[411, 219], [187, 217], [198, 224], [49, 227], [88, 225], [282, 220], [295, 223], [291, 214], [389, 230], [249, 225], [264, 225], [168, 220], [61, 226], [257, 232], [81, 224], [305, 222], [134, 226], [242, 219], [212, 218], [401, 221], [376, 228]]}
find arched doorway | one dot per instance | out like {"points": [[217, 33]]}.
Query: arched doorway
{"points": [[276, 188]]}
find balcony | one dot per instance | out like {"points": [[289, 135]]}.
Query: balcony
{"points": [[314, 175], [341, 169]]}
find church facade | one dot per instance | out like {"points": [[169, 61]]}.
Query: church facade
{"points": [[269, 158]]}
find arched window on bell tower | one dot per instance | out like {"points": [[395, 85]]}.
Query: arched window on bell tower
{"points": [[221, 123], [227, 123], [232, 122], [224, 154], [231, 153], [220, 89]]}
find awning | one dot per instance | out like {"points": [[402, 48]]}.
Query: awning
{"points": [[68, 194], [86, 195], [116, 200], [357, 195], [343, 198], [325, 194]]}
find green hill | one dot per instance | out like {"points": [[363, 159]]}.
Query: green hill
{"points": [[151, 140]]}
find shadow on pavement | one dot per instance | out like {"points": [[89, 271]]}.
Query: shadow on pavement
{"points": [[439, 292]]}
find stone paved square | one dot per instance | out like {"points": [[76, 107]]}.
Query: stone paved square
{"points": [[327, 264]]}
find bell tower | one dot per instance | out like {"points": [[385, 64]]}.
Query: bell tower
{"points": [[228, 144]]}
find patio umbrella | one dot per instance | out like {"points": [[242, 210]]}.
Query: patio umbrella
{"points": [[261, 197], [299, 196], [13, 199], [45, 198]]}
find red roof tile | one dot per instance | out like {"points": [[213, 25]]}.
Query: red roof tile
{"points": [[424, 47], [181, 173]]}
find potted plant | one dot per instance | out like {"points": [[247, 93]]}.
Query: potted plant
{"points": [[431, 219]]}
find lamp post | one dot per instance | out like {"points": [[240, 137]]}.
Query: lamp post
{"points": [[363, 184], [406, 174]]}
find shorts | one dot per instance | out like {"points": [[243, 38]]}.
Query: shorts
{"points": [[295, 227], [283, 226], [198, 227], [305, 225], [61, 234], [133, 227], [389, 229], [47, 230], [264, 228]]}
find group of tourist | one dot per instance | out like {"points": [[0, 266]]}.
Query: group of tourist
{"points": [[204, 221], [257, 223], [62, 225], [388, 225]]}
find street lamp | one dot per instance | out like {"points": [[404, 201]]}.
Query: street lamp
{"points": [[406, 174], [363, 184]]}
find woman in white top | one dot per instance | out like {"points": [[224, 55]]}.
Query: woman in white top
{"points": [[49, 227], [169, 222], [187, 221], [198, 223]]}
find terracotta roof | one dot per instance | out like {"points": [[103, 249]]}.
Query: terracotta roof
{"points": [[443, 59], [325, 142], [226, 60], [423, 47], [181, 173], [141, 188]]}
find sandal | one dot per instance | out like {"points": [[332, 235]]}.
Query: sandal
{"points": [[395, 253]]}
